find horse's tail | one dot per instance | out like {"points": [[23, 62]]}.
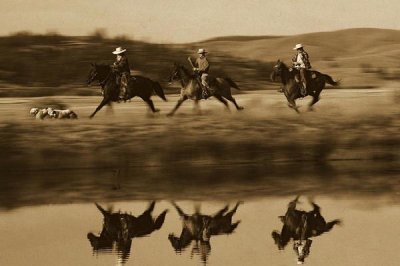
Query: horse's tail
{"points": [[232, 83], [159, 90], [329, 80]]}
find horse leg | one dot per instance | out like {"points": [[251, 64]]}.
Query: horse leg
{"points": [[150, 208], [151, 105], [102, 103], [110, 109], [292, 104], [221, 212], [222, 100], [180, 101], [196, 107], [179, 210], [233, 211], [315, 99], [238, 107]]}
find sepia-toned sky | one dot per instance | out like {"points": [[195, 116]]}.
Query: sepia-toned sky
{"points": [[192, 20]]}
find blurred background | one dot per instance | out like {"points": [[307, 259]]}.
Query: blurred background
{"points": [[53, 64], [344, 155]]}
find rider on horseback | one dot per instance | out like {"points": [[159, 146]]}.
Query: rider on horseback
{"points": [[201, 68], [301, 62], [122, 70]]}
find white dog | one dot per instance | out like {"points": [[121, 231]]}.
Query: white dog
{"points": [[61, 114], [41, 113], [52, 113], [34, 111]]}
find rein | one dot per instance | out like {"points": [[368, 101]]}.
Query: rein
{"points": [[285, 74], [184, 77]]}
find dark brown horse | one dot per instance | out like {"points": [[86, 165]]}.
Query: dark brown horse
{"points": [[120, 228], [300, 226], [291, 88], [138, 86], [191, 88], [199, 228]]}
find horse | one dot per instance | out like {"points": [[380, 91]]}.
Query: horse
{"points": [[199, 228], [300, 226], [191, 88], [138, 86], [291, 88], [120, 228]]}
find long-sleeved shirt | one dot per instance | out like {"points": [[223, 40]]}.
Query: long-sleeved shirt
{"points": [[301, 60], [122, 66], [203, 65]]}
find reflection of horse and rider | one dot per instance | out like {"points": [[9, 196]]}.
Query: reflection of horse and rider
{"points": [[199, 228], [300, 226], [120, 228]]}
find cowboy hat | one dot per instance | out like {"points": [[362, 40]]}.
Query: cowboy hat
{"points": [[202, 51], [298, 46], [119, 50]]}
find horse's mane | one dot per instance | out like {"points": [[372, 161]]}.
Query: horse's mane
{"points": [[185, 70], [283, 65], [102, 66]]}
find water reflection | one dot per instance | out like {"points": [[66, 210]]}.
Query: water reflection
{"points": [[300, 225], [120, 228], [199, 228]]}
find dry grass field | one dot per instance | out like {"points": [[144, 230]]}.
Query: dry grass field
{"points": [[350, 142]]}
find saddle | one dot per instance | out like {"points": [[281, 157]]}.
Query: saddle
{"points": [[206, 92], [310, 74]]}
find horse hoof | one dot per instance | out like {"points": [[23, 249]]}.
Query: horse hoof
{"points": [[169, 115], [240, 108], [156, 110], [310, 109]]}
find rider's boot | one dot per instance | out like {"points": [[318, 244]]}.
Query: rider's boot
{"points": [[122, 94], [206, 92]]}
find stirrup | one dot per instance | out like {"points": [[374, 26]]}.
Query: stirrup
{"points": [[205, 94], [121, 98]]}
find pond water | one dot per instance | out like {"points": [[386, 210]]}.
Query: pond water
{"points": [[57, 234]]}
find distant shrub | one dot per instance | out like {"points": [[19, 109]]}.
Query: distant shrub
{"points": [[121, 39], [98, 35]]}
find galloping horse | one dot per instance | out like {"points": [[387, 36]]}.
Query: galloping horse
{"points": [[291, 88], [120, 228], [191, 88], [138, 86]]}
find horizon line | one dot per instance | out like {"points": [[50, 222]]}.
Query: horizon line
{"points": [[104, 35]]}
